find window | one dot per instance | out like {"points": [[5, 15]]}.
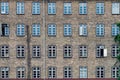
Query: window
{"points": [[51, 51], [67, 51], [83, 30], [36, 51], [67, 30], [51, 30], [20, 51], [36, 29], [115, 72], [4, 72], [36, 72], [83, 72], [4, 51], [83, 8], [4, 30], [100, 72], [20, 30], [67, 8], [115, 50], [115, 8], [100, 30], [51, 8], [35, 8], [100, 51], [20, 72], [4, 7], [115, 30], [20, 7], [52, 72], [83, 51], [67, 72], [99, 8]]}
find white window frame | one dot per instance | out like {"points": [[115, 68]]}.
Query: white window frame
{"points": [[36, 72], [36, 29], [20, 30], [83, 72], [67, 51], [20, 51], [115, 50], [83, 30], [4, 7], [52, 8], [36, 51], [35, 7], [82, 8], [5, 73], [115, 8], [67, 30], [83, 51], [51, 51], [4, 51], [100, 30], [98, 52], [67, 8], [6, 30], [20, 8], [115, 72], [52, 72], [101, 71], [67, 72], [20, 72], [115, 30], [99, 8], [51, 30]]}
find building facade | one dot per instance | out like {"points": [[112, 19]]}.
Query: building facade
{"points": [[58, 38]]}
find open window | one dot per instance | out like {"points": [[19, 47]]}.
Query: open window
{"points": [[101, 51], [4, 30]]}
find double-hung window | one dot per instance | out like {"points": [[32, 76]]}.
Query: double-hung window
{"points": [[67, 51], [51, 30], [51, 51], [115, 72], [20, 8], [51, 8], [115, 8], [4, 7], [83, 30], [67, 8], [20, 72], [115, 30], [4, 72], [36, 72], [20, 29], [67, 72], [83, 8], [115, 50], [36, 8], [100, 30], [20, 51], [4, 51], [83, 51], [36, 29], [67, 30], [52, 72], [83, 72], [100, 72], [36, 51], [99, 8]]}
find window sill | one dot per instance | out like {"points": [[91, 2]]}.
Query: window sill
{"points": [[51, 35], [35, 35]]}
